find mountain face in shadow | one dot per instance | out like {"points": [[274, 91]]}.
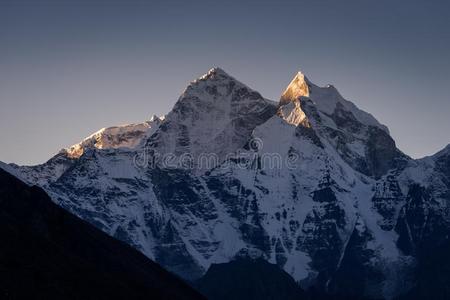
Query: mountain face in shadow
{"points": [[432, 275], [249, 279], [47, 253]]}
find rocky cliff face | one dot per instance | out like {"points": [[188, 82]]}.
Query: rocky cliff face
{"points": [[311, 183]]}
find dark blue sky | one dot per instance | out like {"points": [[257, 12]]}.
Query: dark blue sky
{"points": [[69, 68]]}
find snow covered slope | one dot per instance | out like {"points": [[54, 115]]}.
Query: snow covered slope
{"points": [[311, 183], [359, 138], [125, 136], [130, 136], [215, 115]]}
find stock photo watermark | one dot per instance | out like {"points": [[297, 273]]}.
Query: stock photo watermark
{"points": [[252, 158]]}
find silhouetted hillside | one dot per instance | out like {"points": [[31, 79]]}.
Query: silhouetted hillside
{"points": [[47, 253]]}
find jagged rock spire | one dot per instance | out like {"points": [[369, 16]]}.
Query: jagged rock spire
{"points": [[297, 88]]}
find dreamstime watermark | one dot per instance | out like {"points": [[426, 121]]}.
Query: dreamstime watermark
{"points": [[252, 157]]}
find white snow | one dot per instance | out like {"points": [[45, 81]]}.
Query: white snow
{"points": [[208, 119], [325, 99], [124, 136]]}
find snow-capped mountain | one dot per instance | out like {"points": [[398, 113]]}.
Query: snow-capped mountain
{"points": [[125, 136], [130, 136], [215, 114], [311, 183]]}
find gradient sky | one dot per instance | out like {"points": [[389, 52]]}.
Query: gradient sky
{"points": [[70, 68]]}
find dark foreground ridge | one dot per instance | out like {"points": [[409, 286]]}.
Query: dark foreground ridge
{"points": [[47, 253]]}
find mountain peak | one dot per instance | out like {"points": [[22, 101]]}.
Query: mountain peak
{"points": [[215, 73], [215, 114], [155, 119], [299, 87], [326, 100], [214, 76], [217, 70], [123, 136]]}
